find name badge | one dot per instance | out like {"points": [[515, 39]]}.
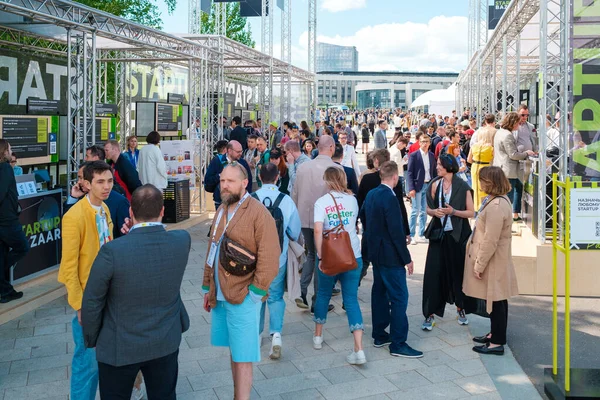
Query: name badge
{"points": [[211, 255]]}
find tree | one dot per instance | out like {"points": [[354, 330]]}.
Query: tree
{"points": [[237, 27], [144, 12]]}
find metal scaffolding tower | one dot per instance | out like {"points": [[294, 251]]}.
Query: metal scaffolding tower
{"points": [[266, 85], [312, 49], [81, 107], [286, 56]]}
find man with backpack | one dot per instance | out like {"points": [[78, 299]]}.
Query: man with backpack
{"points": [[287, 220]]}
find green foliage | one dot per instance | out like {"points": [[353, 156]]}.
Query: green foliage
{"points": [[237, 27], [144, 12]]}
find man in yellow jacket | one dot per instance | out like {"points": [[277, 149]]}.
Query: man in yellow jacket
{"points": [[85, 228]]}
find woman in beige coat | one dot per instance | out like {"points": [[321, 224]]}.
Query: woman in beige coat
{"points": [[489, 271]]}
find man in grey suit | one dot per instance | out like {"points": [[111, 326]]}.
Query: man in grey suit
{"points": [[132, 312], [380, 135]]}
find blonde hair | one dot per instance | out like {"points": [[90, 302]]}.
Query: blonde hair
{"points": [[336, 181], [486, 136]]}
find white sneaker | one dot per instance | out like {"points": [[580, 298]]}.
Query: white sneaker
{"points": [[317, 342], [423, 240], [275, 352], [356, 358], [413, 241]]}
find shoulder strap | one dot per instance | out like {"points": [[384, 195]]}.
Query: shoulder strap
{"points": [[337, 209], [255, 196], [279, 200]]}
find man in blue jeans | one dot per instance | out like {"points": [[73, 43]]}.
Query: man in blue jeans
{"points": [[86, 227], [421, 170], [382, 220], [270, 196]]}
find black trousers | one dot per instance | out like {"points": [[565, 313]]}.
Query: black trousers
{"points": [[499, 321], [13, 247], [160, 377]]}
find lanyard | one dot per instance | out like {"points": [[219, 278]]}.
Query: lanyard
{"points": [[228, 220], [145, 224]]}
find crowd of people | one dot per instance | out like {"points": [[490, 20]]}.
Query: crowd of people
{"points": [[290, 203]]}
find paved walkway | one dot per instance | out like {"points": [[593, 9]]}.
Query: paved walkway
{"points": [[36, 351]]}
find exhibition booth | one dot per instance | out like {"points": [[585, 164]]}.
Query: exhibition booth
{"points": [[544, 54], [76, 76]]}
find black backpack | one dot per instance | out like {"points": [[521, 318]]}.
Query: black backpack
{"points": [[276, 213]]}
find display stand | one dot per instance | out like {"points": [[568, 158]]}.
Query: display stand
{"points": [[41, 218], [177, 201], [577, 231]]}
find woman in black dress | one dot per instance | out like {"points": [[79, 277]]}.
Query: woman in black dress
{"points": [[450, 203], [365, 138]]}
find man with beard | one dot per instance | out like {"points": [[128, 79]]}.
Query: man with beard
{"points": [[244, 225]]}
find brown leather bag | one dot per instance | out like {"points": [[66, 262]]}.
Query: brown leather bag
{"points": [[337, 255]]}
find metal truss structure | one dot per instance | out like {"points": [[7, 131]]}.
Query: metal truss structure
{"points": [[92, 41], [312, 49], [286, 56], [526, 57]]}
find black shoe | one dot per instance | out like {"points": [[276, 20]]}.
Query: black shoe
{"points": [[343, 307], [14, 295], [406, 351], [336, 292], [301, 302], [485, 349], [381, 343], [329, 309], [482, 339]]}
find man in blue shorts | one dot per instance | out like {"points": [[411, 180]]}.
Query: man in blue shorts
{"points": [[235, 287]]}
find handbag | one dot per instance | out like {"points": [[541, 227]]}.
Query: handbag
{"points": [[435, 229], [235, 258], [337, 255]]}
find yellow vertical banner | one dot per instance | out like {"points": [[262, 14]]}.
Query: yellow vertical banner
{"points": [[42, 130], [104, 129], [175, 112]]}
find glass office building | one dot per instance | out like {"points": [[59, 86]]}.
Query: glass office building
{"points": [[387, 89], [331, 57]]}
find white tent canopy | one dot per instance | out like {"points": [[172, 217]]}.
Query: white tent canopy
{"points": [[438, 101]]}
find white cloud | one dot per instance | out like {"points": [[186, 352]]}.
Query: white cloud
{"points": [[439, 45], [342, 5]]}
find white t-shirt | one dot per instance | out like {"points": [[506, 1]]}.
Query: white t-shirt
{"points": [[326, 213]]}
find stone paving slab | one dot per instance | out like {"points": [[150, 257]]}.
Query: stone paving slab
{"points": [[36, 350]]}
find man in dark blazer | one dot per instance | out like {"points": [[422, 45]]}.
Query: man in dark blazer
{"points": [[370, 182], [123, 170], [132, 311], [238, 133], [388, 252], [421, 170], [352, 180], [212, 178]]}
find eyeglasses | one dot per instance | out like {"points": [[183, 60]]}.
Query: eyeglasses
{"points": [[13, 162]]}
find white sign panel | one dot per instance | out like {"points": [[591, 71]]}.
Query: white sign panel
{"points": [[179, 157], [585, 218]]}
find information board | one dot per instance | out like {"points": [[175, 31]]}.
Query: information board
{"points": [[166, 117], [38, 106], [179, 157], [28, 136], [585, 219]]}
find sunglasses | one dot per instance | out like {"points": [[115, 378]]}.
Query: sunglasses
{"points": [[524, 115]]}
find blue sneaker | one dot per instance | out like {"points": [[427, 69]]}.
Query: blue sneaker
{"points": [[405, 351], [428, 324]]}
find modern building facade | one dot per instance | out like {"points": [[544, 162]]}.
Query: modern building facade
{"points": [[331, 57], [378, 89]]}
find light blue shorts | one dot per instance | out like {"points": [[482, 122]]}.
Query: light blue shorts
{"points": [[236, 326]]}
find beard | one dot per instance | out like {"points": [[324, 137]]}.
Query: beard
{"points": [[228, 198]]}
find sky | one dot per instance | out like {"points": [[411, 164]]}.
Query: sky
{"points": [[390, 35]]}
